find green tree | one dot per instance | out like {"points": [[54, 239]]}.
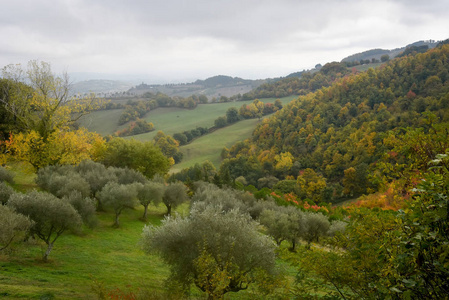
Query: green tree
{"points": [[220, 122], [143, 157], [175, 194], [5, 192], [149, 192], [218, 252], [97, 176], [232, 115], [316, 225], [13, 226], [168, 145], [420, 266], [118, 197], [51, 216], [6, 176], [85, 207], [52, 107]]}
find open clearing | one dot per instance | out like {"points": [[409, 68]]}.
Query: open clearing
{"points": [[168, 119]]}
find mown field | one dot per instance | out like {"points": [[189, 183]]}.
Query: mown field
{"points": [[168, 119], [209, 147], [172, 120]]}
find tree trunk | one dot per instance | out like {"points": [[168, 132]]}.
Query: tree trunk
{"points": [[292, 249], [99, 205], [47, 252], [145, 212], [168, 209], [116, 223]]}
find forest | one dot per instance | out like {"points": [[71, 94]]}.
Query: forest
{"points": [[340, 194]]}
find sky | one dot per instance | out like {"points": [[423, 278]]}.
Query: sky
{"points": [[181, 41]]}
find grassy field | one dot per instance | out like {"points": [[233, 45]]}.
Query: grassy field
{"points": [[168, 119], [103, 258], [363, 68], [103, 122], [172, 120], [209, 147]]}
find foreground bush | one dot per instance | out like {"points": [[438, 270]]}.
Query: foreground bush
{"points": [[13, 226], [217, 251], [52, 216]]}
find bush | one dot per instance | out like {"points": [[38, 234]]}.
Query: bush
{"points": [[213, 249], [85, 206], [13, 226], [5, 192], [5, 175], [51, 215]]}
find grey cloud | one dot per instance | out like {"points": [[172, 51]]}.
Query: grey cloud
{"points": [[209, 37]]}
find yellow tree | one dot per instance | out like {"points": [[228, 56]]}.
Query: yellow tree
{"points": [[48, 105], [284, 162], [311, 184], [61, 147]]}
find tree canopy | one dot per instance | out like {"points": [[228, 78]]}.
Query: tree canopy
{"points": [[143, 157], [217, 251], [51, 216]]}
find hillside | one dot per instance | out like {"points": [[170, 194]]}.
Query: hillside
{"points": [[345, 126], [377, 53], [101, 87], [168, 119], [215, 86]]}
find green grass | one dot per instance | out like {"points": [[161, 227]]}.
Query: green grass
{"points": [[365, 67], [209, 147], [103, 122], [24, 176], [168, 119], [104, 255]]}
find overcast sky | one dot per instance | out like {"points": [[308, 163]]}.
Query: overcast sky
{"points": [[176, 40]]}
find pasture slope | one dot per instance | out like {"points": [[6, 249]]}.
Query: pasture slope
{"points": [[173, 119]]}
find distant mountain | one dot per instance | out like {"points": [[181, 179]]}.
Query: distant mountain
{"points": [[215, 86], [377, 53], [222, 81], [100, 87]]}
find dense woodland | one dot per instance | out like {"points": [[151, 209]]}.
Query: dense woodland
{"points": [[352, 133], [264, 224]]}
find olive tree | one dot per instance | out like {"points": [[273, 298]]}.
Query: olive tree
{"points": [[5, 175], [175, 194], [52, 216], [118, 196], [5, 192], [97, 175], [228, 198], [149, 192], [284, 223], [62, 180], [127, 176], [316, 225], [85, 206], [12, 226], [209, 194], [217, 251]]}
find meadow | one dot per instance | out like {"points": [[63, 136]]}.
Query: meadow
{"points": [[209, 146], [168, 119], [173, 119]]}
